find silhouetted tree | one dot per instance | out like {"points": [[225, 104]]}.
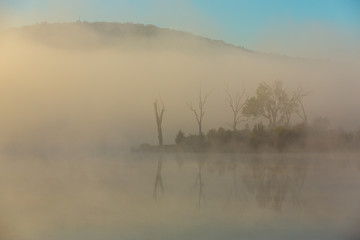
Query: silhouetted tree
{"points": [[180, 137], [199, 113], [289, 106], [299, 95], [159, 113], [259, 136], [236, 103], [272, 103]]}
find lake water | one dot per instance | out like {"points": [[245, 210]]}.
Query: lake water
{"points": [[181, 196]]}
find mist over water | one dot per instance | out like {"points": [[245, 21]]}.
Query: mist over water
{"points": [[75, 98], [203, 196]]}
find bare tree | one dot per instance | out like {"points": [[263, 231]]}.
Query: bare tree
{"points": [[159, 113], [199, 113], [299, 95], [289, 106], [236, 103]]}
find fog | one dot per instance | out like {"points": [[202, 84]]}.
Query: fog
{"points": [[80, 86], [75, 97], [213, 196]]}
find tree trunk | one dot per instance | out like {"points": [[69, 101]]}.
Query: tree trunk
{"points": [[200, 130], [160, 136], [159, 113]]}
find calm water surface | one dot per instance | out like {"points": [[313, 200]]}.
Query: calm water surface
{"points": [[181, 196]]}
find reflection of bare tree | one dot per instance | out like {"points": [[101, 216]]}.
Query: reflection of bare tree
{"points": [[274, 180], [234, 190], [158, 186], [199, 182]]}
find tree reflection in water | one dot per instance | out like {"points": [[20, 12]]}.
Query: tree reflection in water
{"points": [[199, 183], [268, 180], [158, 186], [272, 180]]}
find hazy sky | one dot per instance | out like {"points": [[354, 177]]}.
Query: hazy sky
{"points": [[297, 28], [54, 97]]}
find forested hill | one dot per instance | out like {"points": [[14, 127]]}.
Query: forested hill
{"points": [[85, 35]]}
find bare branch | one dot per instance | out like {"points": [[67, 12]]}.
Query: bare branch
{"points": [[200, 112], [195, 113], [236, 104], [298, 97]]}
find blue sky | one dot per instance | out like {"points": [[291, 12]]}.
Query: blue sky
{"points": [[255, 24]]}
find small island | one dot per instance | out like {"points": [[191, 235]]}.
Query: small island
{"points": [[270, 112]]}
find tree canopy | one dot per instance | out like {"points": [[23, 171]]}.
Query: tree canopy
{"points": [[273, 103]]}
